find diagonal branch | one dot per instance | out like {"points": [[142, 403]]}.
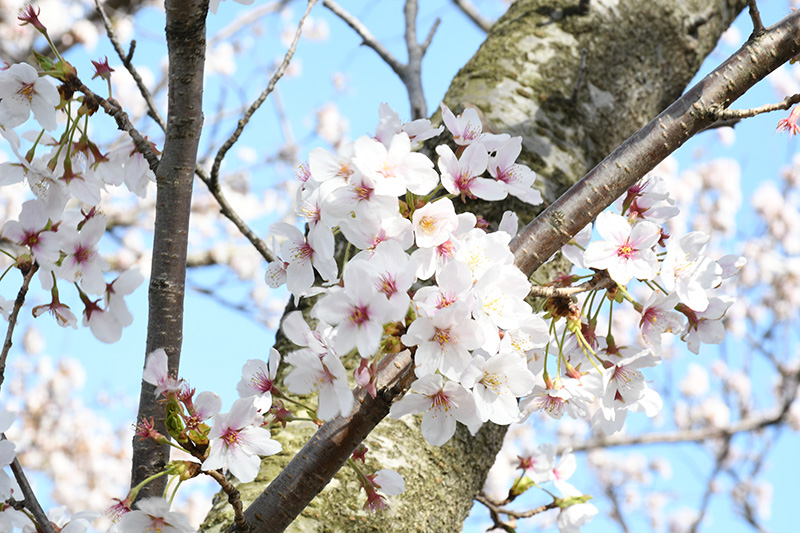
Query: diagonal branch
{"points": [[12, 318], [635, 157]]}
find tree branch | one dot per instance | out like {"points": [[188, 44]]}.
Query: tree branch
{"points": [[30, 498], [152, 110], [640, 153], [213, 182], [12, 318], [186, 44], [472, 13], [322, 456]]}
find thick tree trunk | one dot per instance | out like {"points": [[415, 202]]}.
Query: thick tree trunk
{"points": [[639, 57]]}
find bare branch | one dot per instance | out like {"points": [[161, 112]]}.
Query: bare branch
{"points": [[497, 508], [30, 498], [228, 144], [234, 498], [599, 282], [152, 110], [474, 15], [755, 16], [721, 457], [412, 72], [365, 35], [12, 317], [738, 114], [124, 123]]}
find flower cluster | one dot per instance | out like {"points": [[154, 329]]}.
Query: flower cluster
{"points": [[59, 229]]}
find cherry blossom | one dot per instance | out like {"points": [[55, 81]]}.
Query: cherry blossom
{"points": [[156, 373], [517, 178], [237, 441], [496, 384], [22, 91], [258, 380], [442, 404], [153, 514], [327, 376], [465, 127], [625, 250], [460, 176], [395, 169]]}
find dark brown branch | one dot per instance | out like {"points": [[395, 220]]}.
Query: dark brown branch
{"points": [[599, 282], [124, 123], [691, 113], [13, 316], [186, 45], [31, 502], [234, 498], [322, 456]]}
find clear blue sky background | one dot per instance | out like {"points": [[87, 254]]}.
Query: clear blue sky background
{"points": [[218, 340]]}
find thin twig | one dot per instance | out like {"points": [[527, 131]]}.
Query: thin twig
{"points": [[124, 123], [365, 34], [721, 456], [612, 495], [755, 16], [30, 498], [424, 46], [472, 13], [738, 114], [227, 145], [152, 111], [12, 318], [493, 506], [234, 498], [579, 81]]}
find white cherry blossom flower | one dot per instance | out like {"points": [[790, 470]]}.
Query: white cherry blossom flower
{"points": [[625, 251], [460, 176], [359, 311], [688, 272], [22, 91], [153, 514], [442, 404], [156, 373], [396, 169], [434, 222], [465, 127], [706, 326], [496, 384], [304, 255], [257, 380], [237, 441], [517, 177], [444, 341], [324, 374]]}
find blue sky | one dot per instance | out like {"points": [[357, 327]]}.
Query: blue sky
{"points": [[218, 340]]}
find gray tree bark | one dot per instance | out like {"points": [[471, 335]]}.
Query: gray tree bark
{"points": [[639, 57]]}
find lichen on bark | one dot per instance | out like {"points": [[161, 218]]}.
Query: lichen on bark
{"points": [[639, 56]]}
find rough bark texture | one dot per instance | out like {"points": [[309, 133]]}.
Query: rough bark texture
{"points": [[639, 58], [186, 45]]}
